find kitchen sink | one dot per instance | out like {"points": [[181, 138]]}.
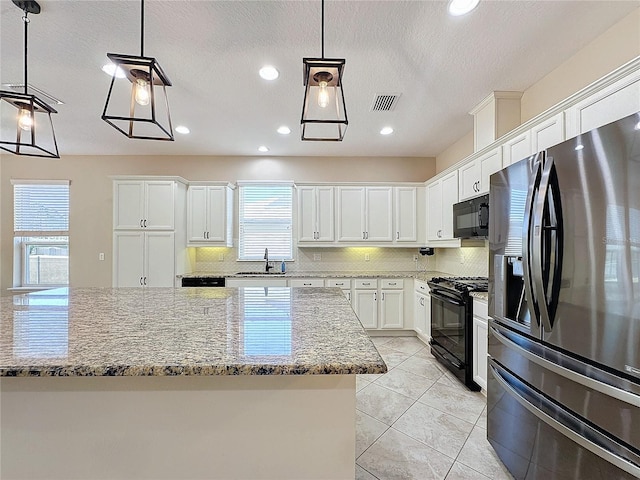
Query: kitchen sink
{"points": [[259, 273]]}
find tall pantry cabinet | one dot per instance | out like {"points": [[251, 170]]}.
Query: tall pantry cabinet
{"points": [[149, 235]]}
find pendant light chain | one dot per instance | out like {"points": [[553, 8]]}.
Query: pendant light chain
{"points": [[322, 29], [26, 20], [142, 28]]}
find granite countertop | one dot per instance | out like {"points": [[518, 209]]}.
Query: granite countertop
{"points": [[420, 274], [480, 295], [183, 331]]}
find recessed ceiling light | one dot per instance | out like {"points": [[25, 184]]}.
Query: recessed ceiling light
{"points": [[284, 130], [386, 131], [182, 129], [269, 72], [110, 69], [637, 127], [262, 148], [579, 147], [462, 7]]}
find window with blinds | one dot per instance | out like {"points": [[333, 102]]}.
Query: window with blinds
{"points": [[265, 221], [41, 233]]}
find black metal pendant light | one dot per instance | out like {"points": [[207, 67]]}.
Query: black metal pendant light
{"points": [[137, 103], [26, 112], [324, 114]]}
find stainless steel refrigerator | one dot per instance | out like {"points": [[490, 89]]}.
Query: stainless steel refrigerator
{"points": [[563, 389]]}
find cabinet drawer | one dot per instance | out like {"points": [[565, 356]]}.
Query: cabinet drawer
{"points": [[306, 282], [391, 283], [343, 283], [421, 287], [480, 308], [366, 283]]}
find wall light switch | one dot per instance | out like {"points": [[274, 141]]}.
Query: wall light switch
{"points": [[317, 257], [101, 256], [366, 257]]}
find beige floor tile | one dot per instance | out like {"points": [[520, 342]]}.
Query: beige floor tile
{"points": [[441, 431], [425, 353], [422, 366], [478, 455], [362, 474], [395, 456], [408, 345], [455, 401], [392, 357], [362, 381], [482, 421], [379, 341], [462, 472], [381, 403], [368, 430], [406, 383]]}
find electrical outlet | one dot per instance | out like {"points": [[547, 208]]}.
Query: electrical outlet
{"points": [[101, 256], [415, 257], [221, 257], [317, 257], [366, 257]]}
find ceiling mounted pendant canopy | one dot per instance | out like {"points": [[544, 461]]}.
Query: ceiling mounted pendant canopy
{"points": [[324, 114], [21, 114], [137, 103]]}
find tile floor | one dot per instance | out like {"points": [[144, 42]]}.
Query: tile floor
{"points": [[418, 421]]}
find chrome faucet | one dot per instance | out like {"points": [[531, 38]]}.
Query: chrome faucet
{"points": [[267, 267]]}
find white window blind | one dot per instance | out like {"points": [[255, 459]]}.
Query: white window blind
{"points": [[265, 221], [41, 209]]}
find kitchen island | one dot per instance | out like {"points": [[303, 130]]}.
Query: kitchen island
{"points": [[183, 383]]}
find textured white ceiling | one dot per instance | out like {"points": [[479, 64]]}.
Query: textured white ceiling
{"points": [[212, 50]]}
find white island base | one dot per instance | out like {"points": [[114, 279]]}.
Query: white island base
{"points": [[178, 427]]}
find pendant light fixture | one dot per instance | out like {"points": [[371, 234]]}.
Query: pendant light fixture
{"points": [[324, 115], [21, 114], [137, 103]]}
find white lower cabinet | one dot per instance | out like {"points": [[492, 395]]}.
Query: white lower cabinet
{"points": [[480, 342], [342, 283], [391, 303], [365, 301], [143, 259], [379, 303], [422, 311]]}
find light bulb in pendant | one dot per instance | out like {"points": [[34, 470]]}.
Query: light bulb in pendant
{"points": [[323, 95], [141, 94], [25, 121]]}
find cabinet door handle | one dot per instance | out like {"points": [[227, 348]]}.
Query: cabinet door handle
{"points": [[339, 283], [140, 223], [307, 284], [392, 283], [140, 280], [383, 296], [397, 235], [363, 237], [366, 283], [145, 280], [375, 296], [145, 223], [208, 236], [422, 302]]}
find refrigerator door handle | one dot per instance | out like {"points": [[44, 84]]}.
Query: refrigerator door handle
{"points": [[564, 422], [547, 244], [526, 348], [527, 239]]}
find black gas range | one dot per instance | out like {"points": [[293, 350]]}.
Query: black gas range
{"points": [[452, 323]]}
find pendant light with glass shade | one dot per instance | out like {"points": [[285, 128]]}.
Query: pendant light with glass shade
{"points": [[324, 114], [137, 103], [23, 115]]}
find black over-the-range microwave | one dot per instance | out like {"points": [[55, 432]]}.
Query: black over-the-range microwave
{"points": [[471, 218]]}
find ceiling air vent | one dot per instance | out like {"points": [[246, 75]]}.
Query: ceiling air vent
{"points": [[384, 102], [41, 94]]}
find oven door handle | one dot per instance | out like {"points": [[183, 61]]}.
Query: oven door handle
{"points": [[447, 299]]}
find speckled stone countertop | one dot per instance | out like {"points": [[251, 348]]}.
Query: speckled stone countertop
{"points": [[183, 331], [421, 275]]}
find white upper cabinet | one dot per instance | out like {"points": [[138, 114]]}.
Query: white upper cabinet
{"points": [[406, 214], [365, 214], [441, 196], [548, 133], [315, 214], [473, 177], [210, 215], [516, 149], [144, 204], [615, 101]]}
